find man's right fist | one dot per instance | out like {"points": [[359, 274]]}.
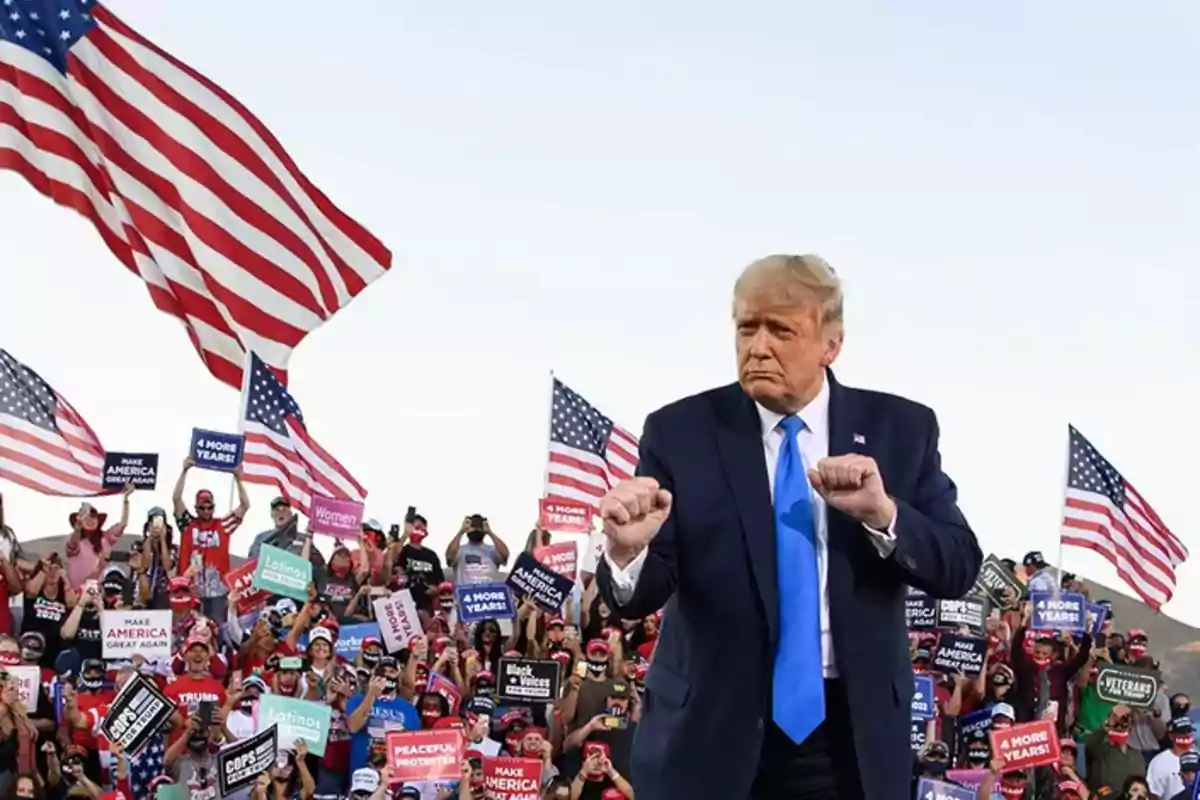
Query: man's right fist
{"points": [[633, 512]]}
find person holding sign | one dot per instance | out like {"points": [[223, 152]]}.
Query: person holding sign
{"points": [[204, 540], [90, 543], [1052, 660], [783, 517], [1110, 759]]}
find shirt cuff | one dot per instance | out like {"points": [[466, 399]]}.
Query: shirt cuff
{"points": [[884, 540], [625, 580]]}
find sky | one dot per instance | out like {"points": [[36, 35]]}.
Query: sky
{"points": [[1007, 190]]}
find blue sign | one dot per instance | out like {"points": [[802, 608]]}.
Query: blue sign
{"points": [[980, 720], [923, 702], [1099, 615], [1062, 611], [349, 641], [217, 451], [484, 601], [918, 734], [936, 790]]}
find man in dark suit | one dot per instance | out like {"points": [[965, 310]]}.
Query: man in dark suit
{"points": [[783, 518]]}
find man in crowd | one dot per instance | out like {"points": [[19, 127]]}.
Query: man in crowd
{"points": [[476, 561], [205, 539]]}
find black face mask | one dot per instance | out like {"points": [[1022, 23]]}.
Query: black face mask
{"points": [[934, 769], [978, 757], [475, 537], [30, 654], [389, 687], [197, 744], [90, 684], [370, 659], [247, 704], [597, 668], [447, 605], [1180, 710]]}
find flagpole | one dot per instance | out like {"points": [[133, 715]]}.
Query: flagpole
{"points": [[241, 414], [1066, 477], [549, 438]]}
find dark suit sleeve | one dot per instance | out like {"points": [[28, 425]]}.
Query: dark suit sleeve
{"points": [[936, 550], [659, 574]]}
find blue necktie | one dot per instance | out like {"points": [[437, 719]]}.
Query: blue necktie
{"points": [[799, 685]]}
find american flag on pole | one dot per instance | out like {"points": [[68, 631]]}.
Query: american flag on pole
{"points": [[279, 450], [588, 453], [185, 186], [44, 444], [1104, 513]]}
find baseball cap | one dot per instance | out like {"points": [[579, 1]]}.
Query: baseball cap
{"points": [[320, 632], [1189, 762], [556, 622], [364, 780], [179, 584], [285, 606], [410, 793], [204, 496], [619, 690], [1003, 710], [279, 502], [192, 641], [1034, 558], [598, 646], [372, 525], [1180, 725]]}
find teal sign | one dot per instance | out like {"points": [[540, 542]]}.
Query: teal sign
{"points": [[297, 719], [280, 572]]}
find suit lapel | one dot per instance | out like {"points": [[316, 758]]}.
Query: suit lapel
{"points": [[739, 439], [845, 541]]}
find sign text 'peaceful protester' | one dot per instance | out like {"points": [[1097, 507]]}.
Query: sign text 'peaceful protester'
{"points": [[419, 756]]}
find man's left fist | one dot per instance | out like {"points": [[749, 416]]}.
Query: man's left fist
{"points": [[852, 484]]}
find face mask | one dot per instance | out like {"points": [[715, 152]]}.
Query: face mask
{"points": [[91, 684], [416, 538], [1012, 791], [475, 537], [1183, 743], [370, 658], [1001, 725], [1137, 650], [1177, 709], [341, 571], [1041, 662], [923, 655], [181, 604], [596, 668], [531, 749], [30, 654], [197, 744], [978, 757], [389, 687], [248, 704], [1118, 738], [934, 769], [446, 605]]}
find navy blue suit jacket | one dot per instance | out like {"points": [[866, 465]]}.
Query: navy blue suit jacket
{"points": [[708, 690]]}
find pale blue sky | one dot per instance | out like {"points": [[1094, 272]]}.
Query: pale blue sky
{"points": [[1008, 192]]}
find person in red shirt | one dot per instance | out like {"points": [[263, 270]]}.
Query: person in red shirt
{"points": [[204, 541], [195, 686], [10, 581], [78, 704]]}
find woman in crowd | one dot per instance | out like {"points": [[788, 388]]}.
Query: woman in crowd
{"points": [[90, 542]]}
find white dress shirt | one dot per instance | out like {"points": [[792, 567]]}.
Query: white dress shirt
{"points": [[813, 443]]}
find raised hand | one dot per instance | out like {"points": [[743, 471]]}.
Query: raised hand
{"points": [[852, 484], [633, 512]]}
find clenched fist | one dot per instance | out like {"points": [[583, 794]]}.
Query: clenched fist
{"points": [[633, 512], [852, 484]]}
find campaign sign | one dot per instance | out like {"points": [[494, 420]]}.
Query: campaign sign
{"points": [[1062, 611], [145, 633], [1030, 744], [295, 719], [398, 620], [923, 702], [239, 764], [137, 713], [418, 756], [241, 580], [980, 720], [564, 516], [1098, 614], [962, 655], [994, 578], [527, 680], [350, 638], [1129, 685], [970, 779], [969, 612], [440, 684], [140, 469], [27, 680], [544, 586], [559, 557], [341, 519], [280, 572], [918, 734], [928, 789], [512, 778], [221, 452], [481, 601], [920, 612]]}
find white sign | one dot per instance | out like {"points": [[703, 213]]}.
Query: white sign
{"points": [[593, 551], [146, 633], [398, 620], [26, 680]]}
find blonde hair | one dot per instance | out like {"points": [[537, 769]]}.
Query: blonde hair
{"points": [[800, 279]]}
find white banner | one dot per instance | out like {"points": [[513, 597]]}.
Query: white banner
{"points": [[27, 680], [593, 551], [126, 633], [398, 620]]}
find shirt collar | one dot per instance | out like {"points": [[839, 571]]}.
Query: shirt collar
{"points": [[815, 414]]}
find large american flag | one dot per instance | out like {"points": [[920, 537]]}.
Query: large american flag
{"points": [[44, 444], [279, 450], [588, 453], [188, 189], [1104, 513]]}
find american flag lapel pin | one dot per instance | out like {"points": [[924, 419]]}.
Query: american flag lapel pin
{"points": [[860, 439]]}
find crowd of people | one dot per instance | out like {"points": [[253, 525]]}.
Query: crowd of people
{"points": [[226, 658]]}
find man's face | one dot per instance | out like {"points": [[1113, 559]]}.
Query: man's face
{"points": [[1043, 653], [782, 350], [204, 509], [281, 516], [197, 656], [554, 635]]}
